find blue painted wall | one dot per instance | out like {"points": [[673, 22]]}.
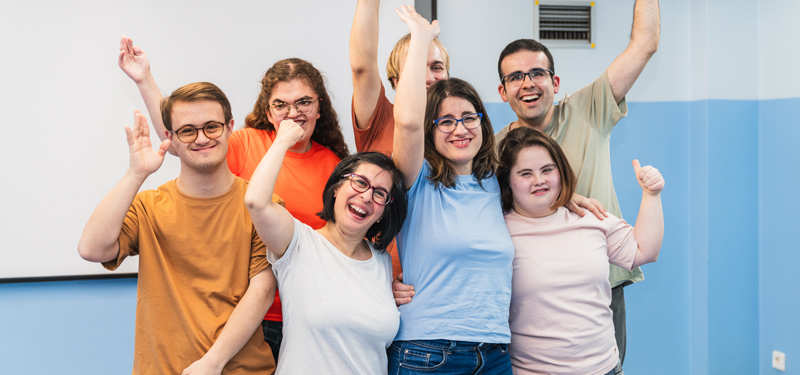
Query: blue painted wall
{"points": [[68, 327], [779, 277]]}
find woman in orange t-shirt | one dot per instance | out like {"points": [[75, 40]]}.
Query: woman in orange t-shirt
{"points": [[291, 89]]}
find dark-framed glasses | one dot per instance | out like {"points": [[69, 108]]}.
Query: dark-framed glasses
{"points": [[360, 184], [449, 124], [188, 133], [302, 107], [517, 78]]}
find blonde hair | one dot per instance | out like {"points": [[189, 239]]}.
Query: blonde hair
{"points": [[398, 57]]}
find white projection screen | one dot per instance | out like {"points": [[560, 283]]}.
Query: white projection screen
{"points": [[65, 101]]}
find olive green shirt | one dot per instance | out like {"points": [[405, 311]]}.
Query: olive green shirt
{"points": [[582, 124]]}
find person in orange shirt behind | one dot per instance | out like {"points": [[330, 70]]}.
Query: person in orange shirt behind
{"points": [[291, 89]]}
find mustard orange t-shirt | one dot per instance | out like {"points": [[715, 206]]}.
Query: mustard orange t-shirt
{"points": [[196, 258], [300, 183]]}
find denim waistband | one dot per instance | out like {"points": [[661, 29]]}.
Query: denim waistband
{"points": [[449, 345]]}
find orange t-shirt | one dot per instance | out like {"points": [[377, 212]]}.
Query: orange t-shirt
{"points": [[196, 258], [300, 183], [378, 137]]}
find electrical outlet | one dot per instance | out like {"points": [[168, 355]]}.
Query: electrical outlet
{"points": [[779, 360]]}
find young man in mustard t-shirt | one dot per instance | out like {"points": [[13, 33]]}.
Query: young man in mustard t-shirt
{"points": [[204, 281]]}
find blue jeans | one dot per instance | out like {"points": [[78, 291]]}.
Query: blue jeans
{"points": [[448, 357]]}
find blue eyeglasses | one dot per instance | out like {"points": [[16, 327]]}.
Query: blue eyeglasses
{"points": [[449, 124]]}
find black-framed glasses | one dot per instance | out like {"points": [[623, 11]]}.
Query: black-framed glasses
{"points": [[188, 133], [302, 107], [449, 124], [360, 184], [517, 78]]}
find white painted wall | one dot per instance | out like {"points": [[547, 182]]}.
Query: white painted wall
{"points": [[779, 56], [64, 100], [475, 32]]}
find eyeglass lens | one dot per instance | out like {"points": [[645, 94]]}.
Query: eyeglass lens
{"points": [[448, 124], [379, 195], [302, 106], [188, 134]]}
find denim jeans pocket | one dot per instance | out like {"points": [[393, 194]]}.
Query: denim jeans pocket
{"points": [[503, 348], [422, 358]]}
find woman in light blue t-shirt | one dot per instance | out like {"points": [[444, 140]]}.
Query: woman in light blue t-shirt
{"points": [[454, 245]]}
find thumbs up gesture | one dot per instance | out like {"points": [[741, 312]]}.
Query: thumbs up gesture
{"points": [[649, 178]]}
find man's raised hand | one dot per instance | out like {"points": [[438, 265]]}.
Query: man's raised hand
{"points": [[144, 160], [132, 60]]}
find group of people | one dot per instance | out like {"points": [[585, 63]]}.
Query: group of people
{"points": [[503, 241]]}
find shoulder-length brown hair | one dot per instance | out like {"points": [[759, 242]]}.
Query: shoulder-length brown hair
{"points": [[327, 132], [485, 161], [520, 139]]}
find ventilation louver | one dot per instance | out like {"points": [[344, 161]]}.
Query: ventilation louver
{"points": [[564, 23]]}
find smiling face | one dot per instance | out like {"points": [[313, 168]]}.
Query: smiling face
{"points": [[535, 182], [295, 92], [204, 155], [531, 101], [459, 147], [356, 212]]}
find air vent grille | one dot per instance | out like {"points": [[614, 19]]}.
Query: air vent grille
{"points": [[562, 22]]}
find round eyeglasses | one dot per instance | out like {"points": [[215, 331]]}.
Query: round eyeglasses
{"points": [[449, 124], [188, 133], [302, 107], [517, 78], [360, 184]]}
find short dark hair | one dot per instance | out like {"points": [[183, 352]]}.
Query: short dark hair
{"points": [[485, 161], [195, 92], [524, 45], [520, 139], [383, 232]]}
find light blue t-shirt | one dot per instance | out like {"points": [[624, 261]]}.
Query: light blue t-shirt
{"points": [[456, 251]]}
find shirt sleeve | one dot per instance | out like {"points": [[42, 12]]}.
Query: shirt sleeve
{"points": [[258, 251], [128, 236], [237, 155], [280, 266], [596, 104], [622, 246], [379, 134]]}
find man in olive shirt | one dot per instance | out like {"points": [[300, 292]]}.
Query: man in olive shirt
{"points": [[581, 123]]}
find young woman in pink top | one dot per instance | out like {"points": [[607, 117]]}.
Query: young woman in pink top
{"points": [[560, 320]]}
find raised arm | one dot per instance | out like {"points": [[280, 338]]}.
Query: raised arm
{"points": [[273, 223], [99, 241], [134, 62], [244, 320], [645, 32], [410, 101], [649, 230], [364, 61]]}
